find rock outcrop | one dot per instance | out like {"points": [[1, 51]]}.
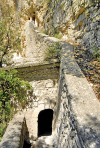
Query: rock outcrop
{"points": [[77, 20]]}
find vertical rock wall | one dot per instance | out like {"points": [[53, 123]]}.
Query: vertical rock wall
{"points": [[77, 20]]}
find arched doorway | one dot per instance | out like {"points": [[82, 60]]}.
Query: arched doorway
{"points": [[45, 122]]}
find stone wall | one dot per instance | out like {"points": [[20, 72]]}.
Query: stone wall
{"points": [[78, 116], [35, 43], [44, 79], [16, 133]]}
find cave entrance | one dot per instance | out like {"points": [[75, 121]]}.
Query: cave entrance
{"points": [[33, 18], [45, 122]]}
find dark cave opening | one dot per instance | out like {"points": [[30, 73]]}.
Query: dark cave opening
{"points": [[45, 122], [33, 18]]}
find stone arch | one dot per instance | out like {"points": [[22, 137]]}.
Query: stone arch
{"points": [[45, 118]]}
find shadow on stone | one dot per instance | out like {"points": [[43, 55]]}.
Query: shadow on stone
{"points": [[26, 145], [45, 122]]}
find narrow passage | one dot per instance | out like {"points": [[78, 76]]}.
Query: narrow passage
{"points": [[45, 122]]}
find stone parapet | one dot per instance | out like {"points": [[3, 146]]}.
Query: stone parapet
{"points": [[77, 122], [15, 134]]}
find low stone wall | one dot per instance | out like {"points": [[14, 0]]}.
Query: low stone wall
{"points": [[46, 39], [36, 43], [78, 116], [16, 133]]}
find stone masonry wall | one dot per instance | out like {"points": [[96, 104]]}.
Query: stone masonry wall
{"points": [[78, 113], [16, 133], [35, 43], [44, 79]]}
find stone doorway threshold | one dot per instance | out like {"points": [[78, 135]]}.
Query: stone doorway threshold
{"points": [[43, 142]]}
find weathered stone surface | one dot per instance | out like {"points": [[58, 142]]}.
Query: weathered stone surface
{"points": [[78, 117], [16, 133], [74, 18]]}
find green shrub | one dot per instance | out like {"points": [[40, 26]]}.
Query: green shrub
{"points": [[11, 87], [53, 52], [96, 53], [57, 35], [45, 32], [48, 2]]}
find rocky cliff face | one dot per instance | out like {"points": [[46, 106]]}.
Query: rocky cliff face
{"points": [[79, 23], [31, 10], [77, 20]]}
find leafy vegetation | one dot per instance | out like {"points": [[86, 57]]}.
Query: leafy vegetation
{"points": [[96, 53], [13, 91], [53, 33], [53, 51], [9, 35], [57, 35], [45, 32]]}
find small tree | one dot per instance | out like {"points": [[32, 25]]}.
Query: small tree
{"points": [[12, 89], [9, 34]]}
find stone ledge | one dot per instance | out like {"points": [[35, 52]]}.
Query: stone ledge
{"points": [[12, 136], [16, 133], [31, 65], [78, 118]]}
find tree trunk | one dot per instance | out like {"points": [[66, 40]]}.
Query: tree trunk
{"points": [[1, 64]]}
